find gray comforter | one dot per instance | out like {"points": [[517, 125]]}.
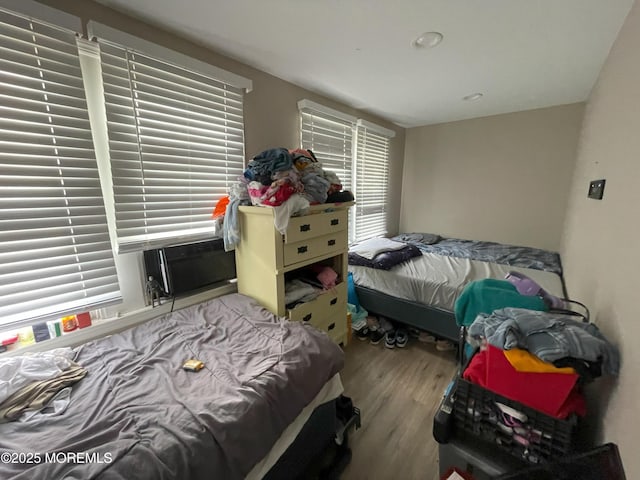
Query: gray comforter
{"points": [[138, 415], [512, 255]]}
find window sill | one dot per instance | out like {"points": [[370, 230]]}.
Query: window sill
{"points": [[103, 328]]}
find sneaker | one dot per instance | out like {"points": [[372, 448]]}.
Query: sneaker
{"points": [[426, 338], [362, 334], [390, 339], [444, 346], [385, 325], [402, 338], [414, 332], [372, 323], [375, 336]]}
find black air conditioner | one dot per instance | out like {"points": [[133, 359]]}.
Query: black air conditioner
{"points": [[183, 269]]}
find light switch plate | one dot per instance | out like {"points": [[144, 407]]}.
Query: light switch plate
{"points": [[596, 189]]}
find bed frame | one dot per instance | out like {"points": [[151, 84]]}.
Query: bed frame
{"points": [[314, 437], [441, 323], [316, 451]]}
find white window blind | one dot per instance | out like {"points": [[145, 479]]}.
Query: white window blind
{"points": [[176, 144], [55, 252], [372, 174], [329, 134]]}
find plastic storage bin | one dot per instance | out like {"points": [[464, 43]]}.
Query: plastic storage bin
{"points": [[541, 438], [477, 458]]}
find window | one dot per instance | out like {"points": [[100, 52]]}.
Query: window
{"points": [[358, 152], [329, 134], [371, 185], [55, 251], [176, 144]]}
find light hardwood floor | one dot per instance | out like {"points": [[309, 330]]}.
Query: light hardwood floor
{"points": [[398, 391]]}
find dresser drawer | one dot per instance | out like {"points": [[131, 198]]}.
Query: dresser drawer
{"points": [[310, 226], [314, 247], [332, 303], [335, 327], [339, 334]]}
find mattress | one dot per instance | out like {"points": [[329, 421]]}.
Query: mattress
{"points": [[437, 280]]}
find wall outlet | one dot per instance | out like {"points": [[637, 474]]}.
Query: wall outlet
{"points": [[596, 189]]}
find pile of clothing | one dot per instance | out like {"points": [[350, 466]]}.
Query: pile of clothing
{"points": [[525, 381], [37, 385], [530, 354], [309, 283], [290, 180], [277, 174]]}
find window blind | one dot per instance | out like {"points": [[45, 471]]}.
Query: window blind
{"points": [[55, 252], [176, 144], [372, 173], [329, 134]]}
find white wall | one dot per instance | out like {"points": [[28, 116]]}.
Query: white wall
{"points": [[600, 242], [503, 178]]}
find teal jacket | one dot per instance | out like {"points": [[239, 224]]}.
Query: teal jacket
{"points": [[485, 296]]}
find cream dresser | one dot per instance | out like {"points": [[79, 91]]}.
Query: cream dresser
{"points": [[265, 258]]}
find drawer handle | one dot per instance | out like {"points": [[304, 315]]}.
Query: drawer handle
{"points": [[332, 326], [335, 221], [307, 317], [331, 243], [305, 228], [302, 249], [334, 301]]}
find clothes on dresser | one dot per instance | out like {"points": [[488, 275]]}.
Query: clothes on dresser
{"points": [[315, 187], [302, 157], [550, 336], [327, 276], [320, 276], [256, 192], [263, 165], [278, 193], [288, 180], [340, 197], [288, 172], [295, 205], [221, 207], [296, 291], [238, 195]]}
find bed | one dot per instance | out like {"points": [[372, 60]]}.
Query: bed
{"points": [[421, 292], [138, 415]]}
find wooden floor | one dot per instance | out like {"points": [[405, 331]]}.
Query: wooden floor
{"points": [[398, 391]]}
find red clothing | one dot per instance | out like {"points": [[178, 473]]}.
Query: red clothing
{"points": [[552, 393]]}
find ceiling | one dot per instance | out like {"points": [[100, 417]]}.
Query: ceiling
{"points": [[521, 54]]}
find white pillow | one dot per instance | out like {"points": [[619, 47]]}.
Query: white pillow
{"points": [[372, 247]]}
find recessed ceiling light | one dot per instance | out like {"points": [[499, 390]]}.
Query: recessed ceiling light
{"points": [[473, 96], [427, 40]]}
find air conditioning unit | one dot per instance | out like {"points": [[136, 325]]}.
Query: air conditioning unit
{"points": [[185, 269]]}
